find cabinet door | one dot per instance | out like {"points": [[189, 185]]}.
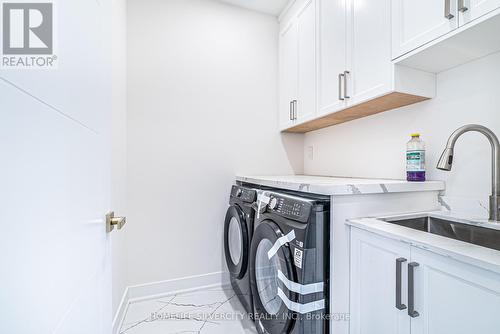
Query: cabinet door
{"points": [[288, 73], [332, 54], [473, 9], [453, 297], [368, 50], [374, 262], [306, 25], [415, 23]]}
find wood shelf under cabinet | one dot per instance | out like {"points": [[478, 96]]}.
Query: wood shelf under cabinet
{"points": [[383, 103]]}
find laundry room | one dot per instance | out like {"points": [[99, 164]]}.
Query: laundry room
{"points": [[250, 166]]}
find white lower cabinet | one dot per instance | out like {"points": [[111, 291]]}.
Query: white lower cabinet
{"points": [[374, 262], [439, 295], [454, 297]]}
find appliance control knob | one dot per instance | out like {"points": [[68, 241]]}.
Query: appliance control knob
{"points": [[273, 203], [239, 192]]}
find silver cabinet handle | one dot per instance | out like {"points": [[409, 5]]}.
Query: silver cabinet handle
{"points": [[461, 6], [345, 84], [399, 264], [294, 113], [447, 10], [340, 87], [411, 290], [291, 110]]}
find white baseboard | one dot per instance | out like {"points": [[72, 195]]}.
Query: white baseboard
{"points": [[153, 290], [120, 312]]}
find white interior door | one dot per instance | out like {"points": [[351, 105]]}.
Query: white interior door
{"points": [[415, 23], [453, 297], [332, 54], [55, 180], [473, 9]]}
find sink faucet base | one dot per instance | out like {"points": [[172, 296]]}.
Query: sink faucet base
{"points": [[495, 208]]}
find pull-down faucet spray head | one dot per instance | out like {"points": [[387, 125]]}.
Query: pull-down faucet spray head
{"points": [[446, 160]]}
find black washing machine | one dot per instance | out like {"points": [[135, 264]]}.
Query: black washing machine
{"points": [[238, 230], [289, 264]]}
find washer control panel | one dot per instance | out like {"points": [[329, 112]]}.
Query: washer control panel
{"points": [[289, 207], [244, 194]]}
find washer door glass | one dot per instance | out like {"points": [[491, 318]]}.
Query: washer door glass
{"points": [[266, 275], [235, 241]]}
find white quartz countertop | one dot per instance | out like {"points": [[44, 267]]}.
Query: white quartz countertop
{"points": [[482, 257], [326, 185]]}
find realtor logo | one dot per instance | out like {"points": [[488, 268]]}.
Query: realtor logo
{"points": [[28, 35]]}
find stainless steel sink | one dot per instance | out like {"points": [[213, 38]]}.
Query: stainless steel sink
{"points": [[472, 234]]}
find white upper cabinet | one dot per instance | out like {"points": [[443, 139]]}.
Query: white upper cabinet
{"points": [[342, 64], [298, 66], [345, 59], [436, 35], [332, 55], [453, 297], [376, 286], [306, 24], [473, 9], [369, 70], [415, 23], [288, 51]]}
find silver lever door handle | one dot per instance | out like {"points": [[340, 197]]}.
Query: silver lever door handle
{"points": [[112, 221], [447, 10], [461, 6]]}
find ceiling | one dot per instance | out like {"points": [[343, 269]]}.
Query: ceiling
{"points": [[273, 7]]}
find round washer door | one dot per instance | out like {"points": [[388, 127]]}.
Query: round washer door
{"points": [[236, 242], [271, 311]]}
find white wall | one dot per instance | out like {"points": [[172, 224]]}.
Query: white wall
{"points": [[375, 146], [202, 101], [119, 146]]}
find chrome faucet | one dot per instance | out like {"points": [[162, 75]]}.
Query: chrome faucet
{"points": [[446, 162]]}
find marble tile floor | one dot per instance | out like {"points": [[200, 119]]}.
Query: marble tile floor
{"points": [[206, 311]]}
